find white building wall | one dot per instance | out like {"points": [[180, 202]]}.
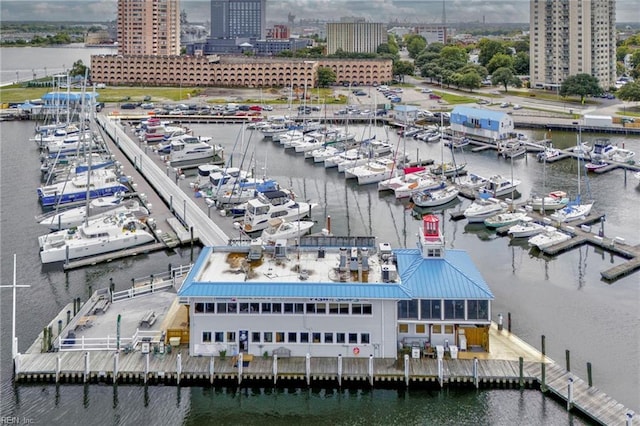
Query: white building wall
{"points": [[380, 325]]}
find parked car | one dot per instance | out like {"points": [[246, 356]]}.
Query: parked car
{"points": [[267, 107], [517, 106], [504, 105], [434, 96], [395, 99], [255, 108], [360, 93], [128, 106], [147, 105], [426, 90]]}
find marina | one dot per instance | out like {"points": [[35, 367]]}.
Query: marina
{"points": [[200, 376]]}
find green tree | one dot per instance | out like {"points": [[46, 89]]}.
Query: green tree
{"points": [[79, 68], [488, 49], [505, 77], [454, 54], [425, 57], [403, 68], [500, 60], [580, 85], [383, 48], [521, 63], [415, 45], [470, 80], [326, 77], [629, 92]]}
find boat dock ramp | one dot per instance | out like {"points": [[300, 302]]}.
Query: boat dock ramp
{"points": [[86, 348]]}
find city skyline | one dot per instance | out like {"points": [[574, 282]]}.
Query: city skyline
{"points": [[409, 11]]}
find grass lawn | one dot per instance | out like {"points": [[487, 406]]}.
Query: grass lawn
{"points": [[452, 99]]}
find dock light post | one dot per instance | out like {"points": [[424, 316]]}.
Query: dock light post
{"points": [[499, 322], [602, 221], [17, 77]]}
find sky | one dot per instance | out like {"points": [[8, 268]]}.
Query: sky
{"points": [[424, 11]]}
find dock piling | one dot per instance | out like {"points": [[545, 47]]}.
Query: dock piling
{"points": [[570, 394], [509, 322], [406, 369], [116, 362], [211, 369], [567, 356], [307, 367], [58, 368], [179, 367], [589, 379], [475, 372], [275, 368], [59, 327], [521, 372], [371, 370], [86, 367], [339, 369], [543, 348], [629, 418], [146, 367], [68, 316]]}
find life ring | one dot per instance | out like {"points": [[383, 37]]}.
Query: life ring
{"points": [[356, 351]]}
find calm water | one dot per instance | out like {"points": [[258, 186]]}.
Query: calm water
{"points": [[562, 297]]}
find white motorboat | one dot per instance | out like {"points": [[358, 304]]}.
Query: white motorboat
{"points": [[622, 155], [504, 219], [554, 201], [98, 207], [103, 235], [279, 229], [157, 131], [583, 150], [551, 236], [187, 150], [549, 153], [526, 227], [498, 186], [274, 204], [202, 180], [483, 208], [472, 182], [603, 149], [573, 211], [242, 191], [437, 197], [321, 154], [401, 179]]}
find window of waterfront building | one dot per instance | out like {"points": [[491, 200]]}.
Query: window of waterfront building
{"points": [[266, 308], [408, 309], [448, 329], [293, 337], [365, 338], [244, 308], [219, 336], [311, 308], [454, 309], [277, 308], [254, 307], [343, 308], [436, 329], [403, 328], [298, 308], [430, 309], [304, 337], [478, 309], [421, 329], [232, 308], [198, 308], [353, 337], [328, 337], [255, 337], [231, 336], [317, 337], [206, 337], [288, 308], [279, 336], [333, 308], [210, 308], [340, 338], [321, 308], [267, 337]]}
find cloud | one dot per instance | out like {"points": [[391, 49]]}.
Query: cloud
{"points": [[410, 11]]}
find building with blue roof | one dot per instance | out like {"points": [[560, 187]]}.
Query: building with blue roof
{"points": [[326, 301], [483, 123]]}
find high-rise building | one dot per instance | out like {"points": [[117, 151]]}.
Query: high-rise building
{"points": [[362, 37], [232, 19], [570, 37], [148, 27]]}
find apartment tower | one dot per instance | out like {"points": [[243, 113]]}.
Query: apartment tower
{"points": [[231, 19], [361, 37], [148, 27], [570, 37]]}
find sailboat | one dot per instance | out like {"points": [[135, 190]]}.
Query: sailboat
{"points": [[575, 209]]}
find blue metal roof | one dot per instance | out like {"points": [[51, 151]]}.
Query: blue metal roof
{"points": [[300, 290], [453, 277], [470, 112]]}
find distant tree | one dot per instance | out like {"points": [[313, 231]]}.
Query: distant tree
{"points": [[425, 57], [521, 45], [403, 68], [383, 48], [434, 47], [488, 49], [521, 63], [454, 54], [393, 45], [79, 68], [580, 85], [629, 92], [326, 77], [470, 80], [500, 60], [415, 44], [505, 77]]}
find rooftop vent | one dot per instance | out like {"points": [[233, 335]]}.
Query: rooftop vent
{"points": [[280, 249]]}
